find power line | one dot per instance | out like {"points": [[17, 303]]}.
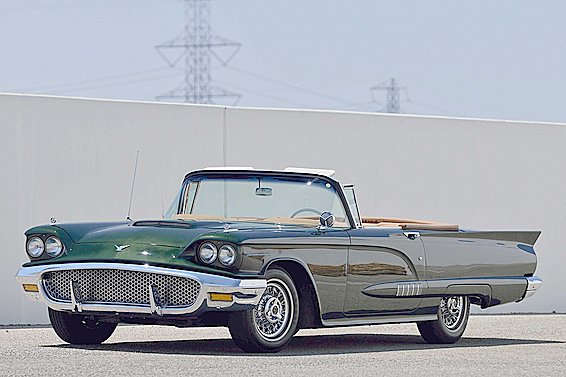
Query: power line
{"points": [[197, 45], [263, 94], [122, 83], [294, 87], [87, 81], [435, 108]]}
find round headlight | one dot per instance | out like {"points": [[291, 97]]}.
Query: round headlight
{"points": [[207, 252], [35, 247], [53, 247], [227, 255]]}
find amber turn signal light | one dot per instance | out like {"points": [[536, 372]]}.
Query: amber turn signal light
{"points": [[221, 297], [30, 287]]}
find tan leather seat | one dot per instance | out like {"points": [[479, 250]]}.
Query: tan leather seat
{"points": [[390, 222]]}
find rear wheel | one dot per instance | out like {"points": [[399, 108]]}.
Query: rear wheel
{"points": [[453, 314], [273, 322], [77, 329]]}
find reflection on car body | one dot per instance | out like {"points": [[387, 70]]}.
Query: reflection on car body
{"points": [[266, 253]]}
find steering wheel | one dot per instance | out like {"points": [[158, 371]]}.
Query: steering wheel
{"points": [[306, 210]]}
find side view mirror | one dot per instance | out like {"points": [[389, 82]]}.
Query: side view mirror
{"points": [[326, 220]]}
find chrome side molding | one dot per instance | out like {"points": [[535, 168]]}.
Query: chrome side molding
{"points": [[409, 289], [380, 320]]}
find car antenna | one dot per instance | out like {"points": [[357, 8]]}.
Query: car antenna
{"points": [[162, 207], [133, 183]]}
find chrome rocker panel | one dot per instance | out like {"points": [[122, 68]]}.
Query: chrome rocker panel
{"points": [[247, 292]]}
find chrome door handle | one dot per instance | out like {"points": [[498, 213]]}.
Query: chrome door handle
{"points": [[412, 235]]}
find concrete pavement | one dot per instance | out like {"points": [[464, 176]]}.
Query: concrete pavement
{"points": [[493, 345]]}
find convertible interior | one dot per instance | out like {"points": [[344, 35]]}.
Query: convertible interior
{"points": [[312, 221], [391, 222]]}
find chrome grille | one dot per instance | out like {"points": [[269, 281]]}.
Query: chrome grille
{"points": [[121, 286]]}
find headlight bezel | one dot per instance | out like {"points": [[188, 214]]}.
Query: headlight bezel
{"points": [[43, 238], [29, 241], [60, 245], [214, 255], [231, 249], [193, 252]]}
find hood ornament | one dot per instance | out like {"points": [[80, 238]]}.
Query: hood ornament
{"points": [[121, 247]]}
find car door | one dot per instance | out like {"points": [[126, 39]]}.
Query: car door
{"points": [[326, 257], [324, 252], [385, 272]]}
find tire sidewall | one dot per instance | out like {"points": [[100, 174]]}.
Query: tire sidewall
{"points": [[71, 328], [256, 340]]}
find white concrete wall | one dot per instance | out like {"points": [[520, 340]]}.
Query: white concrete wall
{"points": [[73, 159]]}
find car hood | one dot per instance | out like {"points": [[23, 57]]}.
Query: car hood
{"points": [[157, 242], [132, 234], [169, 233]]}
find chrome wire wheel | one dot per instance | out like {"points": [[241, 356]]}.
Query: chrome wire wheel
{"points": [[273, 314], [272, 323], [452, 312], [451, 322]]}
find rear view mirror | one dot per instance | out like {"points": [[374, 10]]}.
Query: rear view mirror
{"points": [[263, 191], [326, 220]]}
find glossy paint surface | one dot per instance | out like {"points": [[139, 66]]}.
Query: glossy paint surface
{"points": [[360, 275], [324, 254], [475, 254], [378, 256]]}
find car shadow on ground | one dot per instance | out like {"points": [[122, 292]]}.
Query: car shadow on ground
{"points": [[303, 345]]}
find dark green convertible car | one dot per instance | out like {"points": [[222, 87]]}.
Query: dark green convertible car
{"points": [[267, 253]]}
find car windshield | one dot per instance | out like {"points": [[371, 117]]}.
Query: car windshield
{"points": [[271, 199]]}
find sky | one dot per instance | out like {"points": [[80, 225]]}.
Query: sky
{"points": [[480, 59]]}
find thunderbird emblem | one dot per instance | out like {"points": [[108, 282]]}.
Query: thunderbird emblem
{"points": [[121, 247]]}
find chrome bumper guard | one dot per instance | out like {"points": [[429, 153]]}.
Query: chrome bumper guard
{"points": [[245, 292], [533, 284]]}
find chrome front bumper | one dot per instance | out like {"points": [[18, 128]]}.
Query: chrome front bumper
{"points": [[245, 292]]}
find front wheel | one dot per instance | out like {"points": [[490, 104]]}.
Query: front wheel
{"points": [[453, 314], [77, 329], [273, 322]]}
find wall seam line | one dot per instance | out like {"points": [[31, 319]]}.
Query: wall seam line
{"points": [[224, 139]]}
